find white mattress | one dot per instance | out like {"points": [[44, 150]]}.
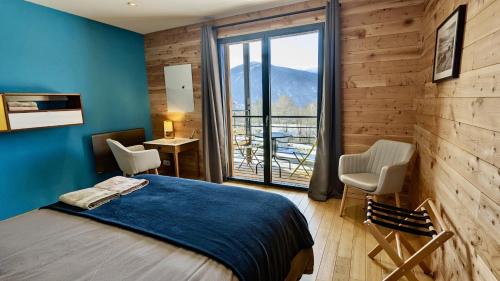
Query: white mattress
{"points": [[48, 245]]}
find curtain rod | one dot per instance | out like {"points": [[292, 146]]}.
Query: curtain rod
{"points": [[272, 17]]}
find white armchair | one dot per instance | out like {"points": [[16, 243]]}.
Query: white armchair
{"points": [[379, 170], [134, 159]]}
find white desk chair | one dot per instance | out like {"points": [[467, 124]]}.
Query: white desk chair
{"points": [[134, 159], [380, 170]]}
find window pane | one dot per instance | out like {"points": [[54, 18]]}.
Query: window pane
{"points": [[294, 102], [237, 79], [247, 141]]}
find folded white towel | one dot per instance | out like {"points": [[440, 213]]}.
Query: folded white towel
{"points": [[88, 198], [22, 108], [122, 185], [22, 104]]}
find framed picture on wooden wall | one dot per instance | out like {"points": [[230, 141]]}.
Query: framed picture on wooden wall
{"points": [[449, 41]]}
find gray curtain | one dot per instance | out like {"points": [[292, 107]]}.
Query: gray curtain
{"points": [[212, 108], [324, 181]]}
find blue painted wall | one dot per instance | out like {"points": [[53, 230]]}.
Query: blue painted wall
{"points": [[44, 50]]}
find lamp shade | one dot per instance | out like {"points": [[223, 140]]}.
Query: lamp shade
{"points": [[168, 126]]}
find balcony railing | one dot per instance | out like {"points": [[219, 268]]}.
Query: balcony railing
{"points": [[293, 146]]}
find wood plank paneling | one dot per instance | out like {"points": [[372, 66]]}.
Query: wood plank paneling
{"points": [[456, 131], [182, 46], [380, 61], [381, 70], [170, 48]]}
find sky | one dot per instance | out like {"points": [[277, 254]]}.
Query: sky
{"points": [[297, 51]]}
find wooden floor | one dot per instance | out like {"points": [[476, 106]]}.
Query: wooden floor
{"points": [[341, 244]]}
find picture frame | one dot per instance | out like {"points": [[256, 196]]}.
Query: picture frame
{"points": [[448, 48]]}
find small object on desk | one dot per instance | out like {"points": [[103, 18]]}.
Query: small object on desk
{"points": [[168, 128], [174, 147], [192, 134]]}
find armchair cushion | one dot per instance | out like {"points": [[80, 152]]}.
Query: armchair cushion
{"points": [[366, 181], [392, 177], [353, 163], [138, 147]]}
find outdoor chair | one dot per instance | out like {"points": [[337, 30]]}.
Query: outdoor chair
{"points": [[303, 156], [247, 149]]}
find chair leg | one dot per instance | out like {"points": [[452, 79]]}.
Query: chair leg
{"points": [[279, 166], [300, 164], [241, 164], [344, 198], [156, 171]]}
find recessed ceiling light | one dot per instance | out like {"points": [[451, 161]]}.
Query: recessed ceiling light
{"points": [[132, 4]]}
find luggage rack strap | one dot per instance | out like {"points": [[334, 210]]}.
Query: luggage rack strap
{"points": [[398, 219]]}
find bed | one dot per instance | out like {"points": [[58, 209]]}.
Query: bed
{"points": [[56, 243]]}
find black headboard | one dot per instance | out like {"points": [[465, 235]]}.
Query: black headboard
{"points": [[104, 159]]}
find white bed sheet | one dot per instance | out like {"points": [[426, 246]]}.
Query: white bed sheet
{"points": [[48, 245]]}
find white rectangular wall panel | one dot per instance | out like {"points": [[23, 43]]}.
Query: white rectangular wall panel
{"points": [[179, 88]]}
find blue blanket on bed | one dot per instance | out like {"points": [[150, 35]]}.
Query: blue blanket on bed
{"points": [[254, 233]]}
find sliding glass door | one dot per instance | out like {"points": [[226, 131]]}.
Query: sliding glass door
{"points": [[272, 84]]}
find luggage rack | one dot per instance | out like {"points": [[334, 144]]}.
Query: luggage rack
{"points": [[417, 222]]}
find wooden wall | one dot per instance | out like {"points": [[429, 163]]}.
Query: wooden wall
{"points": [[381, 48], [380, 68], [172, 47], [182, 46], [457, 135]]}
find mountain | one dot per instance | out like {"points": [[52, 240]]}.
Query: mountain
{"points": [[299, 85], [313, 70]]}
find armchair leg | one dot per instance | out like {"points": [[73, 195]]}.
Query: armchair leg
{"points": [[344, 198]]}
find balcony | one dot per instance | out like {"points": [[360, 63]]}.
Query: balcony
{"points": [[293, 148]]}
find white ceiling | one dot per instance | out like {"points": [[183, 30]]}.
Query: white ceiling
{"points": [[154, 15]]}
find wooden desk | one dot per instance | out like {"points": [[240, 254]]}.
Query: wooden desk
{"points": [[174, 147]]}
